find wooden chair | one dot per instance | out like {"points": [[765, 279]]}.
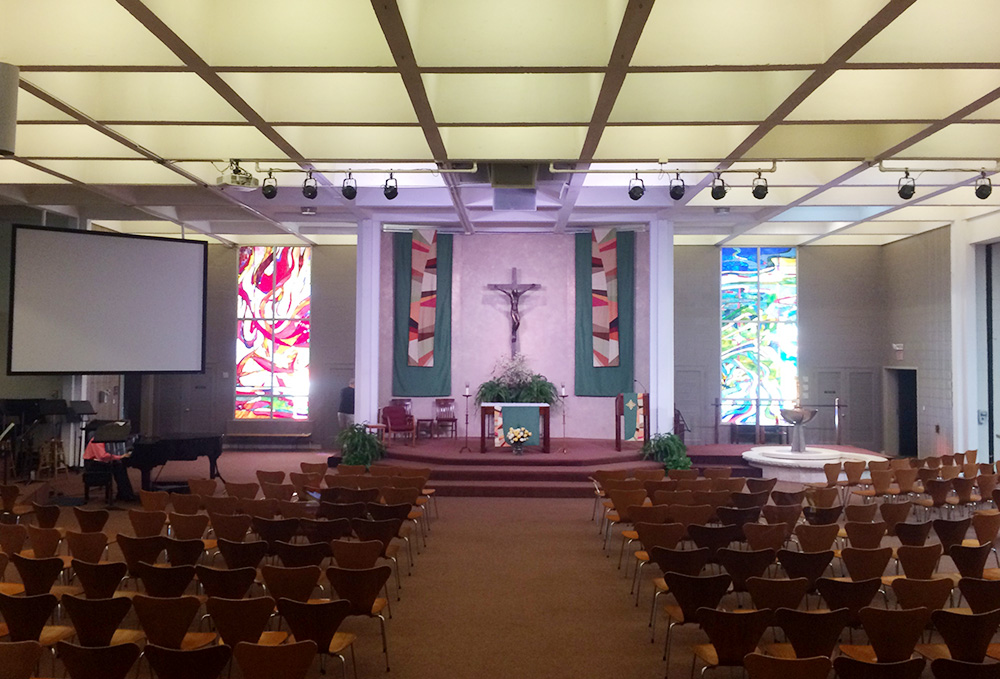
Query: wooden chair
{"points": [[776, 593], [819, 516], [759, 485], [743, 564], [154, 501], [98, 662], [272, 477], [650, 535], [242, 554], [293, 555], [99, 580], [184, 552], [816, 538], [166, 622], [26, 616], [650, 475], [717, 472], [918, 563], [324, 530], [319, 623], [981, 595], [679, 474], [849, 594], [244, 620], [39, 575], [760, 666], [893, 513], [191, 527], [732, 636], [692, 592], [714, 538], [147, 523], [243, 491], [199, 663], [849, 668], [809, 633], [947, 668], [970, 561], [314, 467], [341, 510], [444, 416], [860, 513], [932, 594], [360, 588], [765, 536], [809, 565], [913, 534], [277, 491], [784, 514], [966, 637], [354, 554], [232, 527], [385, 532], [97, 621], [684, 561], [220, 504], [892, 634], [865, 564], [185, 503], [937, 491], [203, 487], [273, 531], [296, 584], [91, 520], [288, 661], [227, 583], [165, 582], [20, 658], [398, 423], [758, 499]]}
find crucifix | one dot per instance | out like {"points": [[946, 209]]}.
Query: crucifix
{"points": [[513, 291]]}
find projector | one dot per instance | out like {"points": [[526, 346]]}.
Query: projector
{"points": [[243, 181]]}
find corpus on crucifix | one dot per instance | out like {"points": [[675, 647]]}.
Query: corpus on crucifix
{"points": [[513, 291]]}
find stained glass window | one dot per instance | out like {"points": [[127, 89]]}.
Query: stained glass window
{"points": [[759, 334], [272, 333]]}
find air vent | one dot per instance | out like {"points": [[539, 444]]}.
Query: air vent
{"points": [[513, 175], [514, 199]]}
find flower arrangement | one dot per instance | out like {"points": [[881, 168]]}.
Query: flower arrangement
{"points": [[518, 435]]}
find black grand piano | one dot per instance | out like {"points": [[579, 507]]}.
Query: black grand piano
{"points": [[148, 453]]}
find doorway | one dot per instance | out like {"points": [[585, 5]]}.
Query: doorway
{"points": [[900, 399]]}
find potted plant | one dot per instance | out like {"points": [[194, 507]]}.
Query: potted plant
{"points": [[359, 446], [514, 382], [667, 449]]}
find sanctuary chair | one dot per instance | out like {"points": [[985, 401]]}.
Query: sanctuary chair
{"points": [[444, 416], [397, 423]]}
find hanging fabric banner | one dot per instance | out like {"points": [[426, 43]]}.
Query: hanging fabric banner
{"points": [[421, 315], [594, 377], [604, 291], [635, 417], [423, 298]]}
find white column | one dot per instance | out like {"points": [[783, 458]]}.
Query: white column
{"points": [[661, 325], [964, 377], [366, 339]]}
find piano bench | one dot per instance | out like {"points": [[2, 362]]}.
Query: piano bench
{"points": [[97, 479]]}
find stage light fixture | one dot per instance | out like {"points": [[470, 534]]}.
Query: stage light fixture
{"points": [[350, 188], [391, 188], [719, 189], [677, 187], [309, 188], [907, 186], [759, 189], [636, 188], [984, 187], [270, 187]]}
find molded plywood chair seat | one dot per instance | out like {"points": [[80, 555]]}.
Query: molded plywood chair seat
{"points": [[243, 491], [147, 523], [165, 582], [98, 662], [865, 564], [319, 623], [26, 617], [892, 634], [914, 534], [809, 565], [816, 538], [244, 620], [809, 633], [242, 554], [199, 663], [849, 668], [966, 637], [97, 621], [166, 621], [227, 583], [18, 659], [932, 594], [185, 503], [946, 668], [775, 593], [291, 583], [91, 520], [692, 592], [204, 487], [99, 580], [288, 661], [154, 501], [760, 666], [733, 635], [39, 575]]}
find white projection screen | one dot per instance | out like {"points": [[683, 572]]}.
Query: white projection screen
{"points": [[94, 302]]}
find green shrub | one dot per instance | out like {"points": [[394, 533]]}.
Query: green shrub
{"points": [[667, 449], [359, 446]]}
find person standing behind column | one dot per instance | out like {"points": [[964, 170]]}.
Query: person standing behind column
{"points": [[345, 413]]}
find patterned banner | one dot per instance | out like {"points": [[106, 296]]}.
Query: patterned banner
{"points": [[423, 298], [635, 417], [604, 290]]}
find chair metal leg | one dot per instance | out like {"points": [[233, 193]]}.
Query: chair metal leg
{"points": [[385, 642]]}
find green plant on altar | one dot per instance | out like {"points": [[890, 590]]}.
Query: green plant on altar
{"points": [[359, 446], [514, 382], [667, 449]]}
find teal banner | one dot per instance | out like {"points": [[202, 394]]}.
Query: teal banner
{"points": [[522, 416], [410, 380], [605, 380]]}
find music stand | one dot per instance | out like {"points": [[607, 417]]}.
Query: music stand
{"points": [[78, 413]]}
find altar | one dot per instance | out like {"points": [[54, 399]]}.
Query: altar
{"points": [[492, 410]]}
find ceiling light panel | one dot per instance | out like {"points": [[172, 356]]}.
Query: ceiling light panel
{"points": [[514, 143], [680, 32], [13, 172], [140, 97], [68, 141], [323, 97], [362, 143], [292, 33], [938, 31], [115, 171], [30, 107], [680, 97], [831, 141], [513, 32], [67, 32], [895, 94], [513, 97], [961, 140], [673, 142], [201, 141]]}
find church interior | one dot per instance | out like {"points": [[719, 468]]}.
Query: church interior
{"points": [[235, 234]]}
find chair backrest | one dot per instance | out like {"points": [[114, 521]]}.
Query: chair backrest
{"points": [[18, 659], [783, 514], [812, 633], [849, 668], [624, 499], [666, 535], [37, 575], [351, 469], [444, 409], [733, 634], [316, 622], [405, 403], [240, 620], [290, 509], [12, 537], [765, 536], [690, 514], [775, 593], [44, 541], [154, 501], [864, 564], [220, 504], [359, 586], [293, 555], [272, 531], [324, 530], [673, 497], [684, 561], [860, 513], [682, 474], [950, 668], [184, 552], [914, 534], [202, 663], [104, 662], [758, 499], [203, 487], [893, 633], [919, 562], [760, 666], [395, 418], [850, 594], [243, 491], [938, 489], [714, 538], [287, 661], [743, 564], [819, 516], [95, 620], [228, 583], [981, 595], [970, 561], [291, 583], [822, 497], [694, 592], [893, 513], [383, 531], [816, 538], [788, 497], [986, 525], [809, 565], [758, 485], [717, 472], [26, 615], [951, 532], [242, 554], [91, 520], [165, 582], [165, 620], [188, 526], [341, 510], [932, 594], [46, 516], [272, 477], [99, 580], [232, 527], [277, 491], [353, 554], [968, 637], [146, 523]]}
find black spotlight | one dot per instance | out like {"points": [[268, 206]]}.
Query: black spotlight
{"points": [[984, 187], [719, 189], [759, 189], [677, 187], [391, 188], [636, 188], [309, 188], [350, 188], [907, 186], [269, 187]]}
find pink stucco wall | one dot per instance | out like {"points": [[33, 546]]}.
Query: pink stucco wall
{"points": [[481, 322]]}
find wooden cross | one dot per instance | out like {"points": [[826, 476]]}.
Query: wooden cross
{"points": [[513, 291]]}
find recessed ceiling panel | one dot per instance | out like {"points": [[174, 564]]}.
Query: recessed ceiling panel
{"points": [[961, 140], [671, 142], [514, 143], [857, 195], [512, 32], [822, 213], [937, 213], [30, 107], [67, 32], [894, 228], [795, 228], [703, 97], [325, 97], [362, 143], [695, 239], [938, 30], [137, 96], [895, 94], [289, 33], [752, 240], [832, 142], [857, 239], [513, 97], [201, 141], [13, 172], [805, 173], [115, 171], [680, 32], [990, 111], [67, 141]]}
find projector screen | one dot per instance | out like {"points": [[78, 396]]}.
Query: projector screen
{"points": [[94, 302]]}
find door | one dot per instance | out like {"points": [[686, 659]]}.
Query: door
{"points": [[906, 398]]}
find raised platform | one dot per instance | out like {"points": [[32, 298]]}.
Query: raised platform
{"points": [[807, 467]]}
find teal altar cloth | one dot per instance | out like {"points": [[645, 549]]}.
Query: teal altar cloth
{"points": [[532, 416]]}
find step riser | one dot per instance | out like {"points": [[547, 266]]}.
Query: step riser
{"points": [[526, 491]]}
